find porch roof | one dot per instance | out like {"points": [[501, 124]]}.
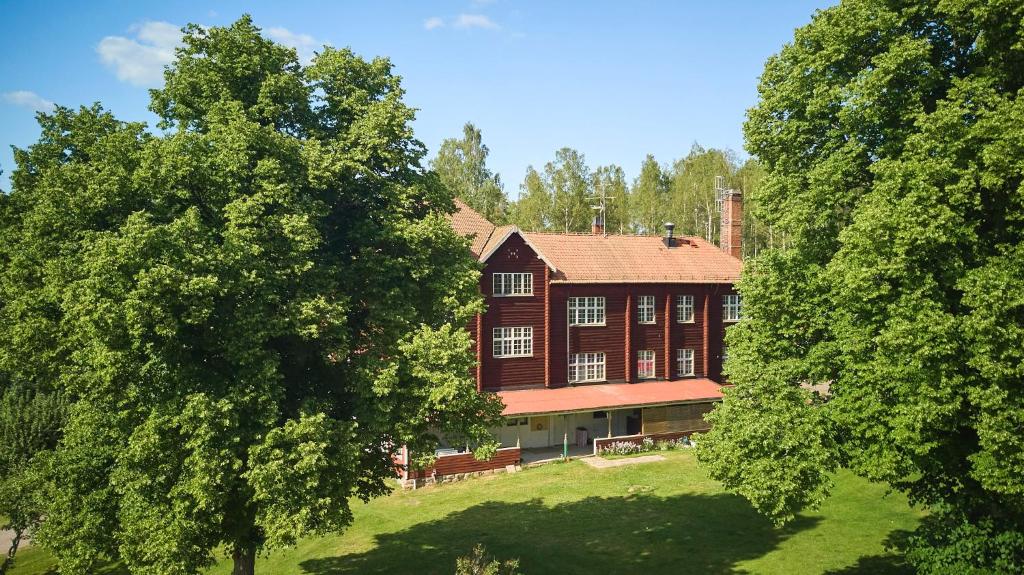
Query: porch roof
{"points": [[607, 396]]}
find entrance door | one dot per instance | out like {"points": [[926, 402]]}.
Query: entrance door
{"points": [[633, 424]]}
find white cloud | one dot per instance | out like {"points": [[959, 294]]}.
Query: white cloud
{"points": [[304, 44], [29, 100], [141, 60], [433, 22], [474, 21]]}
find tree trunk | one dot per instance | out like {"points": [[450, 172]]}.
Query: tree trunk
{"points": [[244, 561], [9, 560]]}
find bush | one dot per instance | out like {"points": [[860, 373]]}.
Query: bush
{"points": [[648, 444], [478, 563], [621, 448]]}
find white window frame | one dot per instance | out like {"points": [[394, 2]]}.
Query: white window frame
{"points": [[732, 307], [684, 309], [587, 310], [685, 364], [512, 342], [644, 306], [586, 367], [646, 357], [511, 284]]}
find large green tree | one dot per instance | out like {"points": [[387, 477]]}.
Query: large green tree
{"points": [[570, 186], [648, 198], [249, 310], [31, 422], [892, 136], [461, 164], [532, 211]]}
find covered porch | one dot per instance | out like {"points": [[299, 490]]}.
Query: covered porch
{"points": [[538, 455], [548, 417]]}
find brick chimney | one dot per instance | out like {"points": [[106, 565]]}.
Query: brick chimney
{"points": [[732, 223], [597, 227]]}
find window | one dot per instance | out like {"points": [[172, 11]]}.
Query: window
{"points": [[684, 362], [600, 415], [731, 307], [645, 364], [586, 311], [684, 308], [517, 421], [513, 341], [513, 283], [586, 367], [645, 309]]}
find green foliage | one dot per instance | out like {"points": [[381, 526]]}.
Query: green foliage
{"points": [[30, 427], [30, 422], [569, 181], [611, 181], [478, 563], [250, 310], [461, 164], [891, 143], [533, 209], [561, 199], [558, 199], [648, 198]]}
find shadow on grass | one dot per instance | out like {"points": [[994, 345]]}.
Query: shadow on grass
{"points": [[888, 564], [631, 534]]}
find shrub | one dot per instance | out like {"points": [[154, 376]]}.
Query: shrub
{"points": [[478, 563], [647, 444]]}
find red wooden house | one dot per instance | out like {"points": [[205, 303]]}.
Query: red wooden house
{"points": [[600, 337], [615, 334]]}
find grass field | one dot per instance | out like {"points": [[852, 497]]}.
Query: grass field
{"points": [[650, 518]]}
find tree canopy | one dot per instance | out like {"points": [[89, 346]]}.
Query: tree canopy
{"points": [[892, 143], [248, 311], [461, 164], [682, 193]]}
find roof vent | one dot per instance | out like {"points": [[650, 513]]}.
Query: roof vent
{"points": [[670, 240]]}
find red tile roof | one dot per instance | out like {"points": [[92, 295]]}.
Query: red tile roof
{"points": [[588, 258], [607, 396], [468, 222]]}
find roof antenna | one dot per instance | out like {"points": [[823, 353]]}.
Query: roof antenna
{"points": [[719, 192], [602, 206]]}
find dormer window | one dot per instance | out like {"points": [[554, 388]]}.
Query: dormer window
{"points": [[645, 309], [512, 284]]}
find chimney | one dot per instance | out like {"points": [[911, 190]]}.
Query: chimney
{"points": [[597, 227], [732, 223], [670, 240]]}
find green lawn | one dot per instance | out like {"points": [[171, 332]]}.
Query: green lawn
{"points": [[651, 518]]}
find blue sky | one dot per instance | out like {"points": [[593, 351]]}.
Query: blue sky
{"points": [[615, 80]]}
